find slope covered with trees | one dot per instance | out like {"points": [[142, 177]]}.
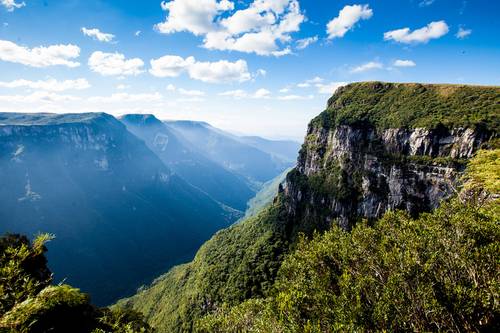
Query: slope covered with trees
{"points": [[265, 273], [438, 272]]}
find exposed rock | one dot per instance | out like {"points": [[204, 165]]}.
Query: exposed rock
{"points": [[357, 171]]}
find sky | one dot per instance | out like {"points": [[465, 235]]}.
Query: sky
{"points": [[260, 67]]}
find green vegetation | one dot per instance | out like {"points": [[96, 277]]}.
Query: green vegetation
{"points": [[400, 105], [266, 195], [29, 304], [236, 264], [438, 272]]}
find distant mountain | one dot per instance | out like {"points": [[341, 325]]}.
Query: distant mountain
{"points": [[266, 195], [221, 184], [254, 158], [120, 215], [284, 149]]}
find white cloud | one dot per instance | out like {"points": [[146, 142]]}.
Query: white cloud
{"points": [[367, 67], [126, 97], [235, 93], [38, 97], [49, 85], [294, 97], [185, 92], [239, 94], [221, 71], [330, 88], [171, 87], [264, 27], [137, 33], [310, 82], [194, 99], [463, 33], [347, 19], [404, 63], [262, 93], [196, 16], [305, 42], [170, 66], [12, 5], [42, 56], [114, 64], [261, 72], [284, 90], [122, 87], [98, 35], [433, 30]]}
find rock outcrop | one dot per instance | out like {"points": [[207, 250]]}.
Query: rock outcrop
{"points": [[349, 170]]}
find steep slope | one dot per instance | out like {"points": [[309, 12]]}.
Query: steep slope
{"points": [[219, 183], [266, 194], [354, 164], [438, 272], [119, 214], [246, 160]]}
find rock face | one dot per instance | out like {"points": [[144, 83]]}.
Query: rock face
{"points": [[358, 170]]}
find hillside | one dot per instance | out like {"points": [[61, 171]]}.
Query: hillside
{"points": [[353, 165], [120, 215], [266, 195], [182, 158]]}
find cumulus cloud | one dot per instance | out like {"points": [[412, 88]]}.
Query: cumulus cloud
{"points": [[433, 30], [38, 97], [264, 27], [48, 85], [42, 56], [404, 63], [186, 92], [98, 35], [347, 19], [126, 97], [367, 67], [114, 64], [12, 5], [463, 33], [239, 94], [310, 82], [170, 66], [330, 88], [221, 71], [294, 97], [305, 42]]}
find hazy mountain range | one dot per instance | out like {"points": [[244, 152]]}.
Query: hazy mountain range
{"points": [[125, 198]]}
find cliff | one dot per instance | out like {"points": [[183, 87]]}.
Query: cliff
{"points": [[377, 147], [351, 168]]}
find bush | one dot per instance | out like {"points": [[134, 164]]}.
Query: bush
{"points": [[29, 304]]}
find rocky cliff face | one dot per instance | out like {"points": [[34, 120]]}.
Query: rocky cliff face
{"points": [[353, 170]]}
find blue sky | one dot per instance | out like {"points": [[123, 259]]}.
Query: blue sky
{"points": [[261, 67]]}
